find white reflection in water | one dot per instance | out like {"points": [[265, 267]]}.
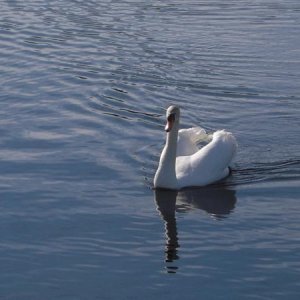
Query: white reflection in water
{"points": [[217, 201]]}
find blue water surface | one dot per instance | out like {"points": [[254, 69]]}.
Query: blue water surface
{"points": [[84, 88]]}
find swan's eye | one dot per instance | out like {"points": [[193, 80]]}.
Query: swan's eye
{"points": [[171, 117]]}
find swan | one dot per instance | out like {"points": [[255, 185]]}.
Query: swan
{"points": [[183, 164]]}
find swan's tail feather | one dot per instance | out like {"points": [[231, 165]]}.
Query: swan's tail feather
{"points": [[228, 139]]}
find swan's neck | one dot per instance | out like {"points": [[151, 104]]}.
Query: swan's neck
{"points": [[165, 176]]}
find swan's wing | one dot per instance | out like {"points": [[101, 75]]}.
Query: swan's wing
{"points": [[209, 164], [194, 134], [188, 139], [217, 155]]}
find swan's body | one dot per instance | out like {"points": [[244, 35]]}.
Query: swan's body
{"points": [[183, 164]]}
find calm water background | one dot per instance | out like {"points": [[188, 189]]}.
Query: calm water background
{"points": [[84, 86]]}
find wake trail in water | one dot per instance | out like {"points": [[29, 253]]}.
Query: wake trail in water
{"points": [[266, 172]]}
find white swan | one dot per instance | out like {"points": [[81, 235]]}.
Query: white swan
{"points": [[183, 164]]}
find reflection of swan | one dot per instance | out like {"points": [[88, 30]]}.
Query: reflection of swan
{"points": [[166, 203], [182, 164], [217, 201]]}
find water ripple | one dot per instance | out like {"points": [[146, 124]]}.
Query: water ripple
{"points": [[84, 87]]}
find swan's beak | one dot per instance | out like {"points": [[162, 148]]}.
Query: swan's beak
{"points": [[170, 123]]}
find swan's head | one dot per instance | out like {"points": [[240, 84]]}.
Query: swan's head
{"points": [[172, 115]]}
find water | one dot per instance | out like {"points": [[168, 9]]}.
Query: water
{"points": [[84, 87]]}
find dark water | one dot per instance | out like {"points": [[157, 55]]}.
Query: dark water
{"points": [[84, 86]]}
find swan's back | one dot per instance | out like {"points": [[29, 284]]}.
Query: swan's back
{"points": [[209, 164]]}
